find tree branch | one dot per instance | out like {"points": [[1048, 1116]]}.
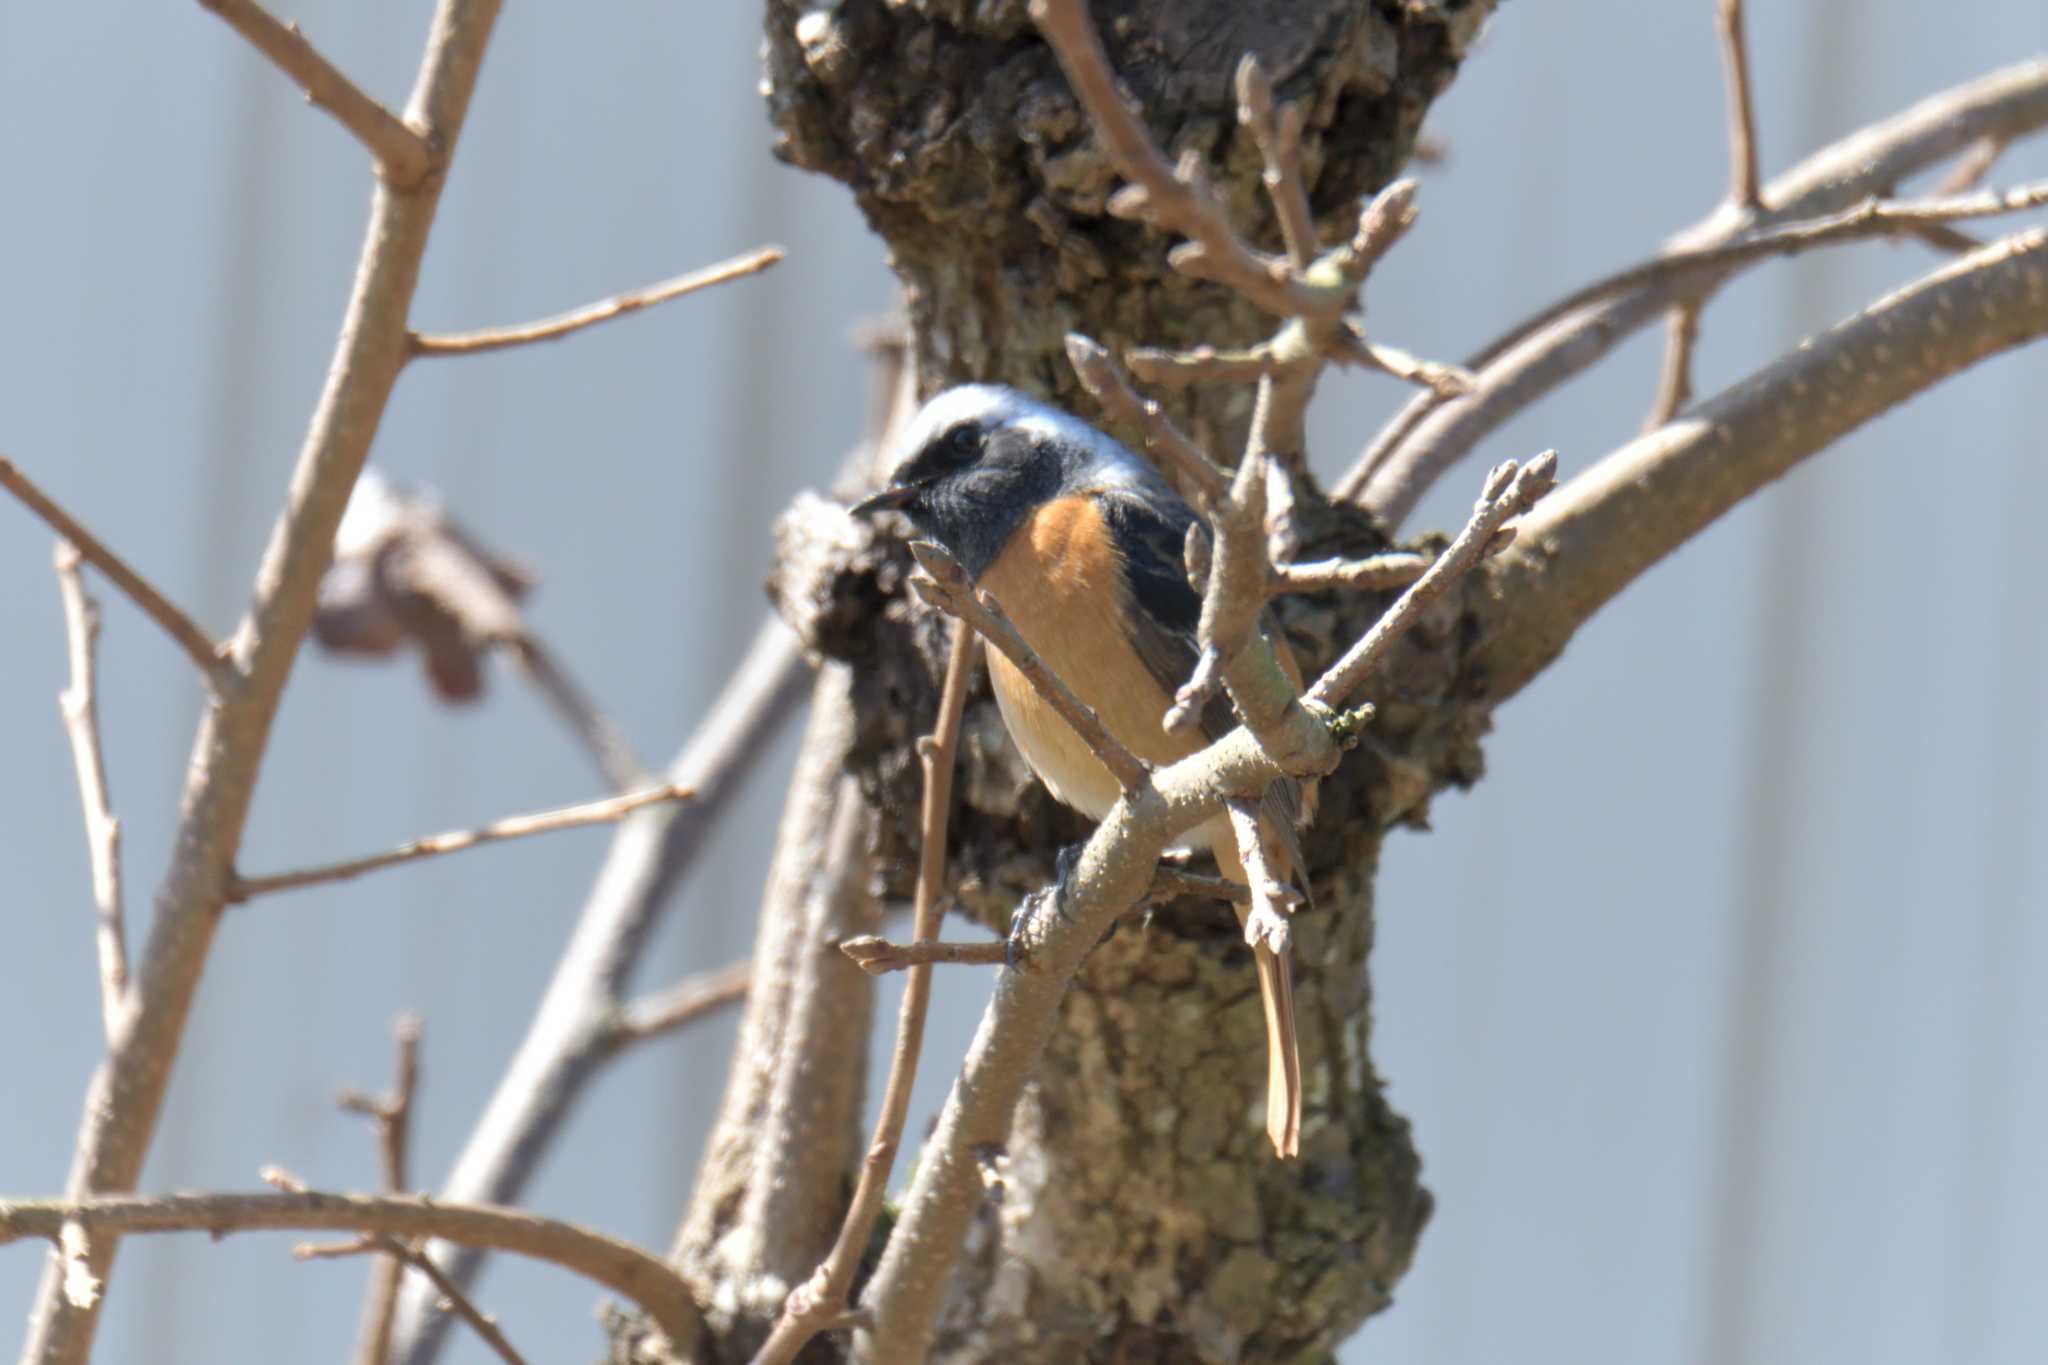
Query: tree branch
{"points": [[79, 704], [664, 1011], [767, 1205], [877, 956], [1674, 380], [1611, 523], [1173, 199], [404, 157], [207, 655], [1743, 179], [603, 812], [617, 306], [618, 1266], [1201, 477], [575, 1026], [944, 585], [127, 1093], [392, 1115], [1429, 435], [823, 1297], [400, 1254]]}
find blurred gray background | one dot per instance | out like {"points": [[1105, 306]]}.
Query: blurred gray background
{"points": [[1716, 1006]]}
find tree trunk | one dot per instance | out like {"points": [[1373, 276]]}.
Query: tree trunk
{"points": [[1141, 1215]]}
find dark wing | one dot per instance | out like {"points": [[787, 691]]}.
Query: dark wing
{"points": [[1152, 532]]}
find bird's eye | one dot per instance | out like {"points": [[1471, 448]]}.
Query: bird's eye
{"points": [[961, 445]]}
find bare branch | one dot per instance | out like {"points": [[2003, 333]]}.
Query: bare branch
{"points": [[1674, 382], [1232, 597], [603, 812], [127, 1092], [617, 306], [392, 1115], [1428, 435], [618, 1266], [944, 584], [1971, 167], [1374, 573], [1686, 265], [1743, 179], [1174, 199], [1610, 524], [1099, 374], [601, 737], [664, 1011], [877, 956], [208, 656], [824, 1296], [401, 1254], [574, 1027], [1279, 139], [404, 156], [79, 704], [1509, 492], [1439, 377]]}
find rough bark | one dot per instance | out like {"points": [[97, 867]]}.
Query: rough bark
{"points": [[1142, 1216]]}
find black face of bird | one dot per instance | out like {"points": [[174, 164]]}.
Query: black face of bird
{"points": [[977, 460]]}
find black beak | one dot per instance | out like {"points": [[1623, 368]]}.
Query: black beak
{"points": [[888, 500]]}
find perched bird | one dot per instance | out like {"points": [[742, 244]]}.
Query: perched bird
{"points": [[1081, 541]]}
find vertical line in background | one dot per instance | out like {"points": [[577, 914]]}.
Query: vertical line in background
{"points": [[1761, 996], [2011, 801]]}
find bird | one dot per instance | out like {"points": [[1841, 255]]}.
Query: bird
{"points": [[1081, 542]]}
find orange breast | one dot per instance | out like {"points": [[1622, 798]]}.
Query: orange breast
{"points": [[1060, 581]]}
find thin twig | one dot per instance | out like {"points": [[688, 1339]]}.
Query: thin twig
{"points": [[403, 156], [400, 1254], [1429, 435], [617, 306], [602, 812], [1674, 381], [79, 704], [1869, 217], [1440, 377], [392, 1115], [571, 1035], [824, 1296], [601, 737], [1609, 525], [1373, 573], [877, 956], [666, 1010], [618, 1266], [1971, 167], [1743, 178], [1100, 375], [1175, 199], [1279, 137], [944, 584], [1234, 591], [1509, 492], [209, 656]]}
